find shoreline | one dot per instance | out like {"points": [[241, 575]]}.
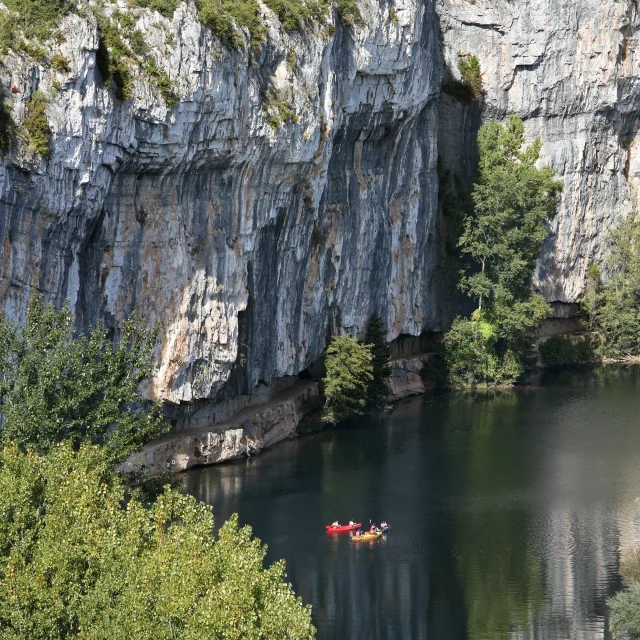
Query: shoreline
{"points": [[255, 428]]}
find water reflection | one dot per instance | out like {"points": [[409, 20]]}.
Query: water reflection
{"points": [[510, 512]]}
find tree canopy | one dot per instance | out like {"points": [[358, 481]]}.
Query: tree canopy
{"points": [[79, 558], [502, 238], [378, 389], [349, 372], [58, 384], [612, 300]]}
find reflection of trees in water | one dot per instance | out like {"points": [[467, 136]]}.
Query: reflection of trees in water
{"points": [[498, 568]]}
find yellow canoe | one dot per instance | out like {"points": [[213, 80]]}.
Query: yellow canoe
{"points": [[366, 536]]}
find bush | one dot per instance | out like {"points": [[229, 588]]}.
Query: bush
{"points": [[36, 124], [349, 372], [223, 16], [55, 385], [163, 7], [278, 110], [472, 356], [60, 63], [624, 614], [469, 68], [349, 13], [81, 558], [35, 19], [7, 127], [563, 350]]}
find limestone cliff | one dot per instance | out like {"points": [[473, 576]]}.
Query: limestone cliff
{"points": [[572, 71], [247, 241]]}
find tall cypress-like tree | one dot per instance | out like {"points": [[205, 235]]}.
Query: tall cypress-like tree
{"points": [[378, 389]]}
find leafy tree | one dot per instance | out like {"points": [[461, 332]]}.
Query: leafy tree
{"points": [[502, 238], [378, 390], [512, 201], [349, 372], [624, 614], [55, 384], [471, 356], [612, 303], [78, 559]]}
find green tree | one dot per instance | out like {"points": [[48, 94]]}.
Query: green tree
{"points": [[81, 559], [501, 239], [624, 614], [36, 123], [378, 389], [469, 68], [56, 384], [612, 303], [472, 358], [349, 372]]}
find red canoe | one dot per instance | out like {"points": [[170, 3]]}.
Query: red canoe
{"points": [[344, 527]]}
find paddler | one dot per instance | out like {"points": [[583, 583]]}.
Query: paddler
{"points": [[336, 524]]}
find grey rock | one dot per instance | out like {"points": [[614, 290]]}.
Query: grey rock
{"points": [[247, 244]]}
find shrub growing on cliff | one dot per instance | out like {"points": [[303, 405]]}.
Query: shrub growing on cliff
{"points": [[469, 68], [378, 389], [36, 124], [612, 302], [81, 559], [502, 238], [349, 373], [55, 384]]}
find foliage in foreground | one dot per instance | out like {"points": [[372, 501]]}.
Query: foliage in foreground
{"points": [[501, 239], [80, 560], [55, 384], [612, 303], [349, 373]]}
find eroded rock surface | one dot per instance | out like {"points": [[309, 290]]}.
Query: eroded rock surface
{"points": [[571, 70], [247, 243]]}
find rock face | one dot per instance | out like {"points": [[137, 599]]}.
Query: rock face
{"points": [[245, 242], [571, 70], [247, 434], [249, 243]]}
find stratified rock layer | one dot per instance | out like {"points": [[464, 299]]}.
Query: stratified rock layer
{"points": [[248, 244], [571, 70]]}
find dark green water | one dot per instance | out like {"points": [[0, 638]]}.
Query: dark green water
{"points": [[509, 514]]}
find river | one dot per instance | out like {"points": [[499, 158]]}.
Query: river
{"points": [[510, 513]]}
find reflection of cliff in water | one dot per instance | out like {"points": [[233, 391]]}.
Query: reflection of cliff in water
{"points": [[509, 513]]}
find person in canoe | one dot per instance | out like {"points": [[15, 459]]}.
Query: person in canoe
{"points": [[336, 524], [383, 525], [351, 523], [372, 528]]}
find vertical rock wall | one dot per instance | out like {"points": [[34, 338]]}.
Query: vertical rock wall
{"points": [[571, 70]]}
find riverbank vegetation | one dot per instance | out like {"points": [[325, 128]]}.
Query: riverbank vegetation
{"points": [[83, 552], [502, 236], [624, 619], [612, 300], [357, 374]]}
